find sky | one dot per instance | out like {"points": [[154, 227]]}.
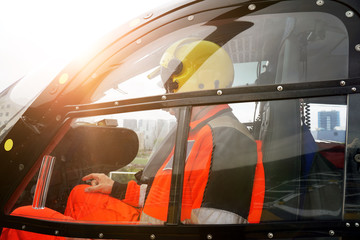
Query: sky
{"points": [[32, 33]]}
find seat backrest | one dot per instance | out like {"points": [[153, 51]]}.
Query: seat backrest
{"points": [[281, 135]]}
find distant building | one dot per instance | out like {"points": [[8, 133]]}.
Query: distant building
{"points": [[148, 129], [328, 120], [131, 124], [329, 127]]}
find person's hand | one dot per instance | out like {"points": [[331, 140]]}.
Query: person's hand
{"points": [[100, 183]]}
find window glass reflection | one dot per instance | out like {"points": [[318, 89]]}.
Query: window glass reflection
{"points": [[104, 170], [352, 187], [262, 50], [304, 155], [268, 161], [245, 163]]}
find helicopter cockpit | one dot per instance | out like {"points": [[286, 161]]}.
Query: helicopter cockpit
{"points": [[291, 95]]}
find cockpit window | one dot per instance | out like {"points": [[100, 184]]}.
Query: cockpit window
{"points": [[267, 161], [251, 50], [124, 148], [245, 163]]}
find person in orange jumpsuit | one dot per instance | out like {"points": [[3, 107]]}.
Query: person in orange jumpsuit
{"points": [[221, 161], [221, 155], [214, 179]]}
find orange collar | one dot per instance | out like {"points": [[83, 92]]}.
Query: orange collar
{"points": [[211, 111]]}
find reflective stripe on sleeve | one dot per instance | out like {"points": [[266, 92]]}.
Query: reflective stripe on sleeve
{"points": [[143, 188], [214, 216], [146, 219]]}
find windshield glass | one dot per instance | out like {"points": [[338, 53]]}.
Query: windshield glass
{"points": [[250, 50], [16, 98]]}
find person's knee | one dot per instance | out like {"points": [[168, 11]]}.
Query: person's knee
{"points": [[78, 191]]}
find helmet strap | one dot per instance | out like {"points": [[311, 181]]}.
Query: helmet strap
{"points": [[171, 85]]}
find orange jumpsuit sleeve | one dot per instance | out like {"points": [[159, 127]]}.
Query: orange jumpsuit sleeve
{"points": [[129, 193]]}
